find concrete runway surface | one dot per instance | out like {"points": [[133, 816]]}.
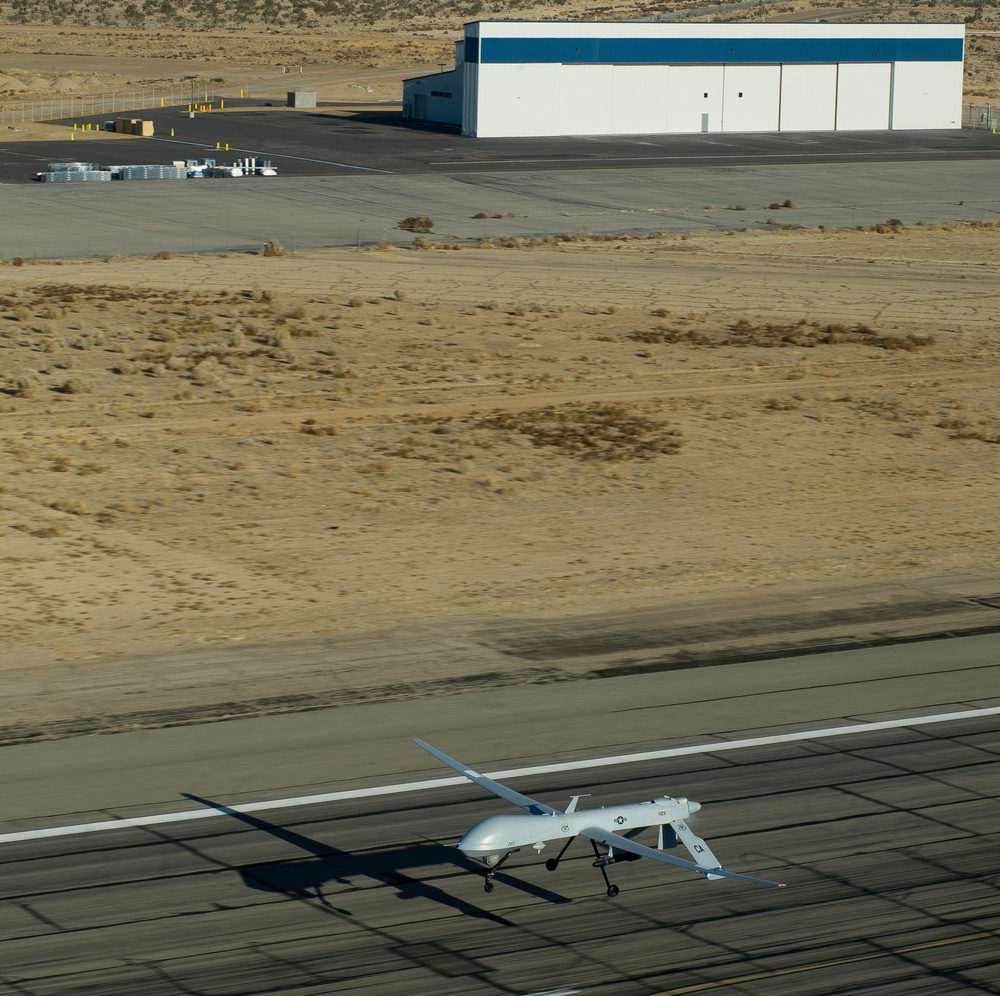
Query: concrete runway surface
{"points": [[888, 841], [349, 182], [63, 221]]}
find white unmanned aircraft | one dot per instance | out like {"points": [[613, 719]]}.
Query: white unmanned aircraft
{"points": [[496, 838]]}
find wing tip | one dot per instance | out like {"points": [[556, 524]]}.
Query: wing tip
{"points": [[722, 873]]}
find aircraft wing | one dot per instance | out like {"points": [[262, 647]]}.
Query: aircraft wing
{"points": [[619, 843], [525, 802]]}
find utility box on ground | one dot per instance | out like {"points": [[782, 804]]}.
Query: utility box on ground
{"points": [[301, 98], [133, 126]]}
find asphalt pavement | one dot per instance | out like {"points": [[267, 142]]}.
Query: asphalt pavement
{"points": [[377, 140], [348, 181], [887, 839]]}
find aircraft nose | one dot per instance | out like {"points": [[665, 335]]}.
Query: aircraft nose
{"points": [[694, 807]]}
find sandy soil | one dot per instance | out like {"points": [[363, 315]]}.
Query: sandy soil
{"points": [[353, 60], [208, 450], [357, 64]]}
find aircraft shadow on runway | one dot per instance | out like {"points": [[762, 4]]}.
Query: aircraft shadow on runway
{"points": [[307, 878]]}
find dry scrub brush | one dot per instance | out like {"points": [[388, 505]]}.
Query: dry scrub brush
{"points": [[962, 428], [599, 430], [416, 223], [243, 14], [220, 341], [773, 335]]}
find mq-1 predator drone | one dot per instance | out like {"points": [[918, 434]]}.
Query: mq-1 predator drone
{"points": [[493, 840]]}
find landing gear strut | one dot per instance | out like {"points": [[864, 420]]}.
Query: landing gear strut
{"points": [[602, 861], [488, 885], [553, 863]]}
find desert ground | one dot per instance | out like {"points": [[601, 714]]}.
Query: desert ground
{"points": [[207, 450]]}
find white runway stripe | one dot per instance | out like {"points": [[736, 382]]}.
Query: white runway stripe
{"points": [[540, 769]]}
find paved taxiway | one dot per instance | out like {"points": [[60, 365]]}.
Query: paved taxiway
{"points": [[349, 181], [74, 220], [888, 841], [380, 142]]}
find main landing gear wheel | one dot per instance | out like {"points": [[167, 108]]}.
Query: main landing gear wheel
{"points": [[552, 864], [488, 887], [613, 891]]}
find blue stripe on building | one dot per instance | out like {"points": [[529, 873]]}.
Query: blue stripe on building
{"points": [[710, 51]]}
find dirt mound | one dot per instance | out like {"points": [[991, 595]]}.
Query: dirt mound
{"points": [[66, 84]]}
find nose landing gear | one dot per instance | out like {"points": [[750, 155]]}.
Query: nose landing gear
{"points": [[488, 885]]}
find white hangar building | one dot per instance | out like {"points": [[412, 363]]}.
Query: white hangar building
{"points": [[524, 78]]}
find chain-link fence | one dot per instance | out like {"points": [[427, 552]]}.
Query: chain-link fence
{"points": [[984, 116], [68, 106]]}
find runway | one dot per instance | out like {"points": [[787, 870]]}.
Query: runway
{"points": [[887, 839]]}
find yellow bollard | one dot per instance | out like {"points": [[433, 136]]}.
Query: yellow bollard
{"points": [[241, 92], [217, 145], [227, 146], [161, 102], [171, 132], [74, 126], [222, 105], [72, 136]]}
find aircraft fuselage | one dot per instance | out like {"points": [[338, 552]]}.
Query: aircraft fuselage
{"points": [[500, 834]]}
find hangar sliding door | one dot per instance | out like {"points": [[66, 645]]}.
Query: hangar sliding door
{"points": [[694, 95], [927, 95], [808, 98], [584, 101], [640, 100], [750, 98], [863, 96]]}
